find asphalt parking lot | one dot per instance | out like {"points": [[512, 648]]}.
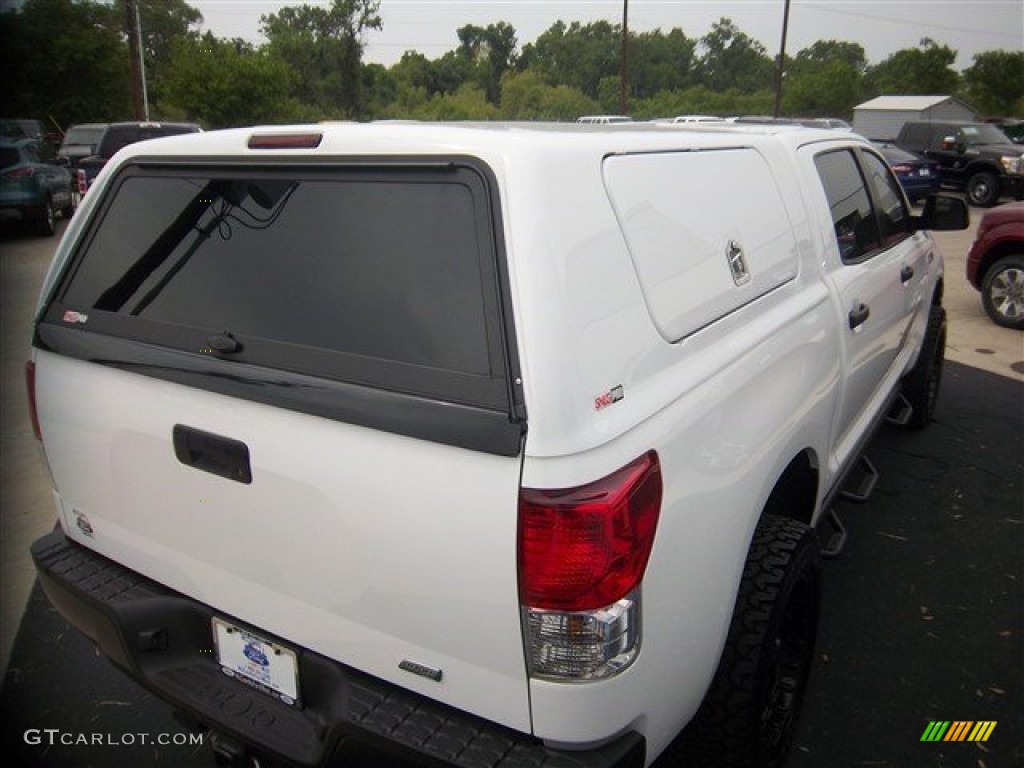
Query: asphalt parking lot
{"points": [[923, 617]]}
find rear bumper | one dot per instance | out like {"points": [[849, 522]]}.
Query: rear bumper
{"points": [[163, 640]]}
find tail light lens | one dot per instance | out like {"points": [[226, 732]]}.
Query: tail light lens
{"points": [[902, 169], [26, 172], [582, 555], [30, 381], [584, 548], [82, 181]]}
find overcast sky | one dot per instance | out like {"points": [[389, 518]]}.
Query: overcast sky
{"points": [[881, 26]]}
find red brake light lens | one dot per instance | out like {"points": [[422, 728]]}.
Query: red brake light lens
{"points": [[21, 173], [30, 381], [587, 547], [902, 169], [286, 141]]}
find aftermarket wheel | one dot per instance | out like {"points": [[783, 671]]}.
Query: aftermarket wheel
{"points": [[1002, 292], [921, 385], [749, 715], [983, 189]]}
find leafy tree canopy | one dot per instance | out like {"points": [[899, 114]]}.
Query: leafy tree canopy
{"points": [[324, 47], [927, 69], [995, 83]]}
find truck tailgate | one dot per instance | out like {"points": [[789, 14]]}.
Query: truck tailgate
{"points": [[370, 548]]}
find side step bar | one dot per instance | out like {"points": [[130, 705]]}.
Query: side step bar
{"points": [[857, 488], [861, 482], [831, 549], [900, 412]]}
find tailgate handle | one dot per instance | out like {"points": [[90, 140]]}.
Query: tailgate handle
{"points": [[211, 453]]}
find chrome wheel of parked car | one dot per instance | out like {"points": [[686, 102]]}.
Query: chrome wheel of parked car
{"points": [[983, 189], [1002, 292], [73, 200]]}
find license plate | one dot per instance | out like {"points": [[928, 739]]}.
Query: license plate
{"points": [[926, 172], [257, 662]]}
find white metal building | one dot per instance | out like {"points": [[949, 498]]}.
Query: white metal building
{"points": [[882, 117]]}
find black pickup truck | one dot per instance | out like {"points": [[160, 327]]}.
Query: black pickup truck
{"points": [[120, 135], [977, 158]]}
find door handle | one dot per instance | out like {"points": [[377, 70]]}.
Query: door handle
{"points": [[906, 274], [859, 315], [211, 453]]}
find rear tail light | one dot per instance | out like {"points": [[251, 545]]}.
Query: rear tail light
{"points": [[82, 181], [30, 381], [582, 556], [902, 169], [20, 173]]}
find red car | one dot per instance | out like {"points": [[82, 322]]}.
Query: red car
{"points": [[995, 264]]}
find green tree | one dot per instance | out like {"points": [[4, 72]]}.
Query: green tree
{"points": [[65, 62], [489, 52], [324, 47], [525, 96], [830, 89], [732, 59], [660, 62], [225, 83], [702, 100], [576, 55], [925, 70], [468, 102], [825, 52], [163, 23], [995, 83]]}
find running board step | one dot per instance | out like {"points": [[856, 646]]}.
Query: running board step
{"points": [[837, 538], [899, 412], [861, 481]]}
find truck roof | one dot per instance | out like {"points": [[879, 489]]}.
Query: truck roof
{"points": [[491, 138]]}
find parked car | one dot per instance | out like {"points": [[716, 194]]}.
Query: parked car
{"points": [[120, 135], [918, 175], [13, 128], [604, 119], [698, 119], [995, 264], [976, 157], [31, 189], [81, 141]]}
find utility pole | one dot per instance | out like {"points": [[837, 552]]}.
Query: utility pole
{"points": [[140, 99], [781, 62], [624, 61]]}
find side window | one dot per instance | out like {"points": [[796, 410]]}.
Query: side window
{"points": [[893, 217], [848, 200]]}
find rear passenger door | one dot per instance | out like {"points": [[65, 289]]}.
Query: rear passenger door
{"points": [[875, 272]]}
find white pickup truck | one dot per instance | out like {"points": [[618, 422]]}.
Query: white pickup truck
{"points": [[484, 445]]}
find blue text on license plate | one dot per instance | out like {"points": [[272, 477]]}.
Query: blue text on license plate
{"points": [[254, 660]]}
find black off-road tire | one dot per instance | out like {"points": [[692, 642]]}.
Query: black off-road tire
{"points": [[983, 189], [1002, 292], [749, 715], [921, 385]]}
